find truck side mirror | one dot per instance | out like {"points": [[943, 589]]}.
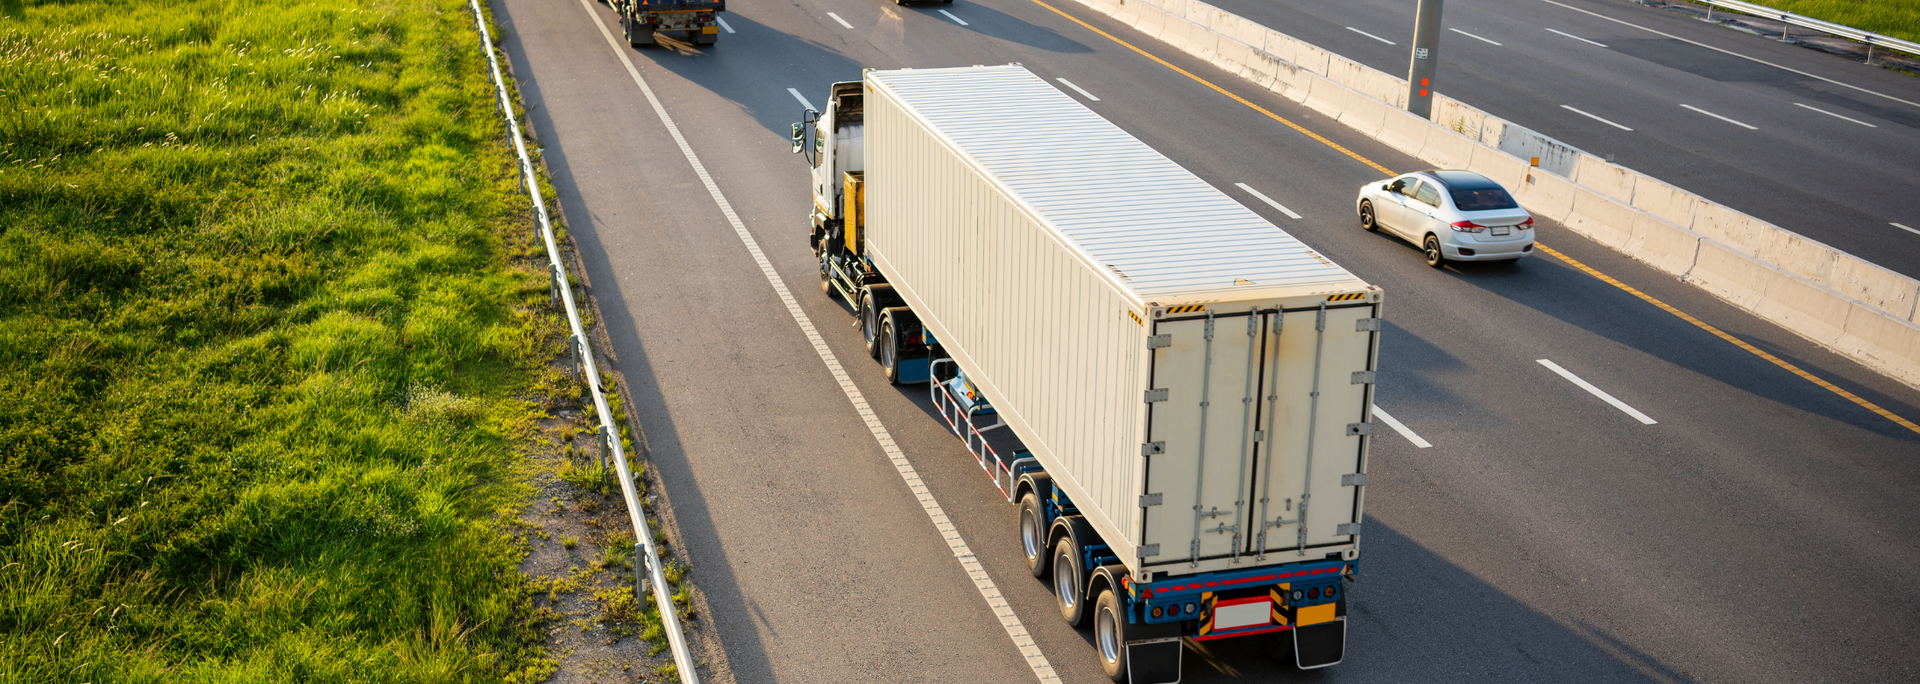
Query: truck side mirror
{"points": [[799, 137]]}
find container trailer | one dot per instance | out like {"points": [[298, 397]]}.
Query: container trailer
{"points": [[1174, 393]]}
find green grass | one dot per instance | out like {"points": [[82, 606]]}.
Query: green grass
{"points": [[263, 320], [1897, 18]]}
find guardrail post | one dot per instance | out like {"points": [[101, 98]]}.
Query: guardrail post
{"points": [[640, 585], [553, 283]]}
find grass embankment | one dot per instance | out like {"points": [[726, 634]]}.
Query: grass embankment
{"points": [[264, 311], [1896, 18]]}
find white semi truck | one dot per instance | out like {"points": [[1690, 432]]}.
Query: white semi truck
{"points": [[642, 20], [1174, 392]]}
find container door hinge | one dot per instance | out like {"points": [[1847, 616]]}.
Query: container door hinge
{"points": [[1149, 550], [1353, 480], [1154, 395], [1363, 377], [1150, 500], [1259, 435], [1367, 325], [1161, 340], [1359, 429], [1153, 448], [1347, 528]]}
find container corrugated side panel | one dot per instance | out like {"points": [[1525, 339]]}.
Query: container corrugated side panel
{"points": [[1044, 336]]}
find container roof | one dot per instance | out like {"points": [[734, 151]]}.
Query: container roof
{"points": [[1167, 235]]}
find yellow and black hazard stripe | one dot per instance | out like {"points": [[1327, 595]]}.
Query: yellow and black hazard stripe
{"points": [[1136, 318], [1278, 594], [1346, 297], [1206, 612], [1189, 308]]}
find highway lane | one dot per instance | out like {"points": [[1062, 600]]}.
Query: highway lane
{"points": [[1545, 533], [1817, 158]]}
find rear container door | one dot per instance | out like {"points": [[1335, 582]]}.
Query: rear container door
{"points": [[1314, 417], [1200, 450]]}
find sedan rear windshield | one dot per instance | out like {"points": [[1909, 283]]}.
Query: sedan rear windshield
{"points": [[1482, 199]]}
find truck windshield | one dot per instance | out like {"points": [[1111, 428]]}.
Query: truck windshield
{"points": [[1482, 199]]}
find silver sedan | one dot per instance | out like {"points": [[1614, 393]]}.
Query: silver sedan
{"points": [[1451, 215]]}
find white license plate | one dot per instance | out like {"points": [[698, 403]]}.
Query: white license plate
{"points": [[1501, 231], [1235, 616]]}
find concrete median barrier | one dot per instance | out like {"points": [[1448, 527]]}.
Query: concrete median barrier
{"points": [[1662, 245], [1406, 131], [1446, 149], [1503, 168], [1663, 200], [1605, 178], [1546, 195], [1600, 218], [1729, 274], [1883, 342]]}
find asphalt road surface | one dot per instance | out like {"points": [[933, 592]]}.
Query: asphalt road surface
{"points": [[1762, 528], [1815, 143]]}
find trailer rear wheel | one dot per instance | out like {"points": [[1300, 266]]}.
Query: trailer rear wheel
{"points": [[890, 350], [870, 321], [1110, 635], [1033, 535], [1069, 579]]}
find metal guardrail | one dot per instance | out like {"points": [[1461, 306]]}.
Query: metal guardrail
{"points": [[1871, 39], [646, 555]]}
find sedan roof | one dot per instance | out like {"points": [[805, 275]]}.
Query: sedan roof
{"points": [[1464, 180]]}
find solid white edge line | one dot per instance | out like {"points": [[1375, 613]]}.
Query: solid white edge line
{"points": [[1915, 231], [1078, 89], [837, 18], [1369, 35], [1595, 391], [1595, 118], [955, 19], [1722, 118], [1402, 429], [1469, 35], [1022, 641], [1730, 52], [1269, 200], [801, 98], [723, 23], [1837, 116], [1583, 40]]}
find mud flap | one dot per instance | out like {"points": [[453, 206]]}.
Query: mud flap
{"points": [[1320, 645], [1154, 661]]}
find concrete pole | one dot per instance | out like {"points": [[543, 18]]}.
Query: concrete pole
{"points": [[1426, 58]]}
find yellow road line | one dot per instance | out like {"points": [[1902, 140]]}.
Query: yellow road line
{"points": [[1218, 89], [1868, 405]]}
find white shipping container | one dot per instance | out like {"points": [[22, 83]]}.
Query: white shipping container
{"points": [[1194, 378]]}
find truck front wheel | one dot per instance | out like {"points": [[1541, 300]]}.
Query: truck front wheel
{"points": [[1110, 635], [1068, 581]]}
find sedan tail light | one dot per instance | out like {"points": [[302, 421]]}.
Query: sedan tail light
{"points": [[1468, 227], [1527, 223]]}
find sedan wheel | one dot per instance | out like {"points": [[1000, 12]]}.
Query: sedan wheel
{"points": [[1367, 220], [1435, 258]]}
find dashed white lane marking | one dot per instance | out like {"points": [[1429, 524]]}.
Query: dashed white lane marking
{"points": [[1078, 89], [723, 24], [1730, 52], [1402, 429], [1369, 35], [1722, 118], [1469, 35], [1915, 231], [1837, 116], [955, 19], [958, 546], [1269, 200], [801, 98], [837, 18], [1595, 118], [1583, 40], [1595, 391]]}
